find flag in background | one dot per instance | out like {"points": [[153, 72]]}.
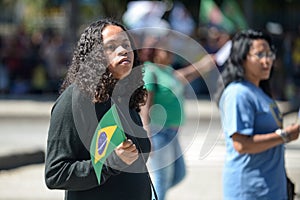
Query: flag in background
{"points": [[233, 11], [211, 14], [108, 135]]}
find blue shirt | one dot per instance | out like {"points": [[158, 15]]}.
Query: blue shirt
{"points": [[246, 109]]}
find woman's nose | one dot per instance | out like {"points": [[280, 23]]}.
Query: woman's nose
{"points": [[266, 61], [121, 50]]}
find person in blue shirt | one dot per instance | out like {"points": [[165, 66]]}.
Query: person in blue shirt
{"points": [[252, 123]]}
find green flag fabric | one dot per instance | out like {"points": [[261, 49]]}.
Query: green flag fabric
{"points": [[108, 135], [211, 14], [232, 10]]}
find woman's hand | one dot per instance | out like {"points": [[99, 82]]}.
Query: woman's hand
{"points": [[258, 143], [292, 131], [127, 152]]}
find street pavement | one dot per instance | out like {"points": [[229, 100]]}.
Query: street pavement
{"points": [[24, 126]]}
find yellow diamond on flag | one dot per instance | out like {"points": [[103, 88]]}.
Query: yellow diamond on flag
{"points": [[103, 137]]}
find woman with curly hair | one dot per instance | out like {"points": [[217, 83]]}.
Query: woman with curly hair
{"points": [[104, 70], [252, 123]]}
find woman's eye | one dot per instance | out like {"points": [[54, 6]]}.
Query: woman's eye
{"points": [[260, 55], [110, 47], [127, 46]]}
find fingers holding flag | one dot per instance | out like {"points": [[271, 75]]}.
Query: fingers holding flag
{"points": [[127, 152]]}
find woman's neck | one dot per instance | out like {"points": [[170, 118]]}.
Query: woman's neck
{"points": [[252, 80]]}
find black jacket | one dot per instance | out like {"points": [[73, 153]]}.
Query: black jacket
{"points": [[68, 163]]}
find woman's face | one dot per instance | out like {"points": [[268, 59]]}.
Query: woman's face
{"points": [[259, 62], [117, 48]]}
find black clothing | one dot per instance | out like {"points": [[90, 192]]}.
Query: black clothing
{"points": [[68, 163]]}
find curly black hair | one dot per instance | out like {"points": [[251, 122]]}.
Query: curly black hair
{"points": [[89, 67]]}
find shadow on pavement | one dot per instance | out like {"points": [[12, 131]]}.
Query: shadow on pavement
{"points": [[21, 159]]}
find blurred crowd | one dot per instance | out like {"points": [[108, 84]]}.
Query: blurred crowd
{"points": [[214, 37], [36, 62], [32, 63]]}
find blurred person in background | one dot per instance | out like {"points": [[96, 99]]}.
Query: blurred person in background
{"points": [[254, 164], [163, 113]]}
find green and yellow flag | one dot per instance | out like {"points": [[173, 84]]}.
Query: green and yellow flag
{"points": [[108, 135]]}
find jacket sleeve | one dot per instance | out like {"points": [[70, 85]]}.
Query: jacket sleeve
{"points": [[68, 164]]}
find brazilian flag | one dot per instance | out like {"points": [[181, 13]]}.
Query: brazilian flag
{"points": [[108, 135]]}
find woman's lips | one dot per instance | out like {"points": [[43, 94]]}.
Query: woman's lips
{"points": [[125, 61]]}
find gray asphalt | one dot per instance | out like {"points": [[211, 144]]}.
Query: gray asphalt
{"points": [[24, 126]]}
